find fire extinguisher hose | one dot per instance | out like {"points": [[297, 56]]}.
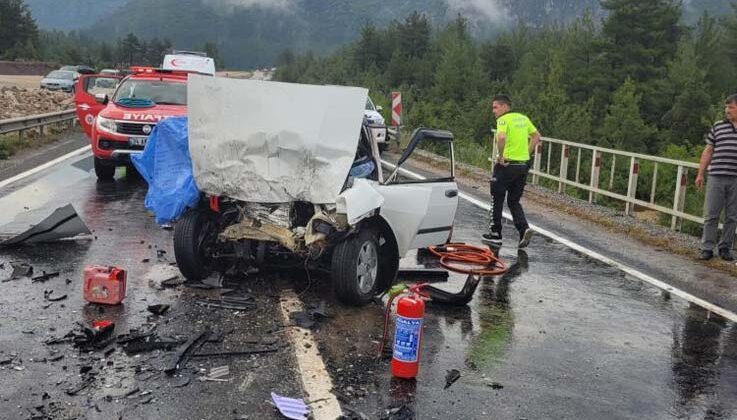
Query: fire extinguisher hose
{"points": [[469, 259]]}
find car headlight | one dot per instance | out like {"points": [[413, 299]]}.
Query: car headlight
{"points": [[105, 124]]}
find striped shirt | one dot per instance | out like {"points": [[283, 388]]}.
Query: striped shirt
{"points": [[723, 136]]}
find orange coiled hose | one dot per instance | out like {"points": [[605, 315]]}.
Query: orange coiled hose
{"points": [[469, 259]]}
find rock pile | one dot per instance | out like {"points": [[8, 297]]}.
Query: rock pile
{"points": [[18, 102]]}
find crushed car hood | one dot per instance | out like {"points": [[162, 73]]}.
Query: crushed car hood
{"points": [[271, 142]]}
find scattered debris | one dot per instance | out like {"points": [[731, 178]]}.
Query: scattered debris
{"points": [[44, 277], [495, 385], [158, 309], [236, 304], [181, 382], [179, 358], [79, 387], [309, 317], [456, 299], [21, 270], [291, 408], [161, 276], [63, 223], [48, 296], [451, 377], [236, 353], [86, 338], [402, 412], [216, 374], [149, 344]]}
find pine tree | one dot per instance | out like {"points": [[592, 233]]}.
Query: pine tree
{"points": [[624, 127], [640, 38], [18, 30]]}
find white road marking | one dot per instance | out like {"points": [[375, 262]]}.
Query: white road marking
{"points": [[315, 378], [593, 254], [45, 166]]}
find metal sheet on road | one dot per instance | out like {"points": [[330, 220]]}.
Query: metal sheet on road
{"points": [[125, 234]]}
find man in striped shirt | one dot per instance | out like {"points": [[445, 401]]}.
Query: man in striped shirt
{"points": [[720, 156]]}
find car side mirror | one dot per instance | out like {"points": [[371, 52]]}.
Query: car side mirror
{"points": [[101, 98], [379, 108]]}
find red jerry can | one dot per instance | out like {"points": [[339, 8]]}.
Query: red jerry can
{"points": [[104, 285]]}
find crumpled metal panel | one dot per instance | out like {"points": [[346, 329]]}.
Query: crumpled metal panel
{"points": [[271, 142]]}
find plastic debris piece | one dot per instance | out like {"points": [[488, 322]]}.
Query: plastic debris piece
{"points": [[48, 296], [158, 309], [64, 222], [21, 270], [452, 376], [45, 276], [291, 408]]}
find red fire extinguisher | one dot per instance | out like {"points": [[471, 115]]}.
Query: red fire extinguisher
{"points": [[408, 333]]}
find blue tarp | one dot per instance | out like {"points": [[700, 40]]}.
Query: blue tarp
{"points": [[167, 167]]}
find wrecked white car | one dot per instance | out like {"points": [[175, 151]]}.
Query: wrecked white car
{"points": [[291, 174]]}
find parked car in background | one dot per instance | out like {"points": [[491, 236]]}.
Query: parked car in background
{"points": [[60, 80], [79, 69], [110, 72], [375, 120]]}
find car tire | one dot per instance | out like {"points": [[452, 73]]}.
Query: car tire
{"points": [[355, 268], [131, 173], [382, 147], [105, 171], [191, 234]]}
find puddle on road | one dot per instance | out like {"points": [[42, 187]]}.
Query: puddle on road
{"points": [[126, 235], [555, 337]]}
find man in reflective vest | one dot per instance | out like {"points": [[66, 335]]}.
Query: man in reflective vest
{"points": [[516, 138]]}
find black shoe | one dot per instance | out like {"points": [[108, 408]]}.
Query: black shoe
{"points": [[524, 238], [492, 238], [726, 254], [706, 255]]}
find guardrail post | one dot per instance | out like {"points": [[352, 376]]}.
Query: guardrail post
{"points": [[20, 135], [632, 186], [564, 152], [655, 183], [611, 174], [595, 171], [578, 165], [536, 164], [679, 200]]}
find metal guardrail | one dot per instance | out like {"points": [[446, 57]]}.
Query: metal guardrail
{"points": [[560, 168], [595, 156], [21, 124]]}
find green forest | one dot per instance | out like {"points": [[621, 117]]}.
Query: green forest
{"points": [[639, 80], [20, 38]]}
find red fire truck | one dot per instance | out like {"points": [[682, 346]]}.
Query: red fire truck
{"points": [[118, 113]]}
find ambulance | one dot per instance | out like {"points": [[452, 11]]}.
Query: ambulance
{"points": [[118, 113]]}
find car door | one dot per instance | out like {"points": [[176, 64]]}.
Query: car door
{"points": [[86, 103], [420, 211]]}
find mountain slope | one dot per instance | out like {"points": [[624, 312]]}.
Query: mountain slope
{"points": [[252, 33], [72, 14]]}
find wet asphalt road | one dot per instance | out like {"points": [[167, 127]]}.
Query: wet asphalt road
{"points": [[559, 336]]}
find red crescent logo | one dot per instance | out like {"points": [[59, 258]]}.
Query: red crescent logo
{"points": [[174, 62]]}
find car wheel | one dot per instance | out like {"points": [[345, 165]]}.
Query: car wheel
{"points": [[105, 171], [382, 147], [132, 173], [355, 268], [194, 233]]}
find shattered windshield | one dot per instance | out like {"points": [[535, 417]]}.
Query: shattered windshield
{"points": [[159, 91]]}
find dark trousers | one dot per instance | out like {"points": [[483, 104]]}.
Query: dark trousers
{"points": [[508, 182]]}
